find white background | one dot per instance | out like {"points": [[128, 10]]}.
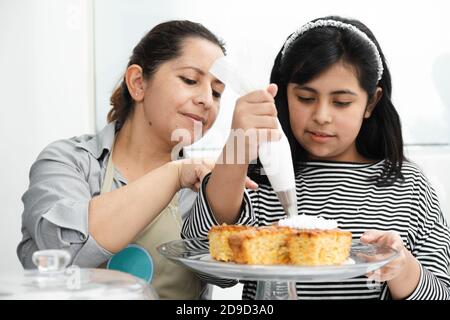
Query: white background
{"points": [[47, 93], [60, 60]]}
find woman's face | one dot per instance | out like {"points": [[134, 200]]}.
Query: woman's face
{"points": [[182, 98], [326, 114]]}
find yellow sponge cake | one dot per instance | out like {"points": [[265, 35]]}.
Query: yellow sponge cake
{"points": [[302, 240], [266, 245], [218, 241], [319, 247]]}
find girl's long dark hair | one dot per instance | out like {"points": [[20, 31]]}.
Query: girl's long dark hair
{"points": [[317, 50]]}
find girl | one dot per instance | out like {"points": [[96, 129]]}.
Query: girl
{"points": [[93, 195], [334, 104]]}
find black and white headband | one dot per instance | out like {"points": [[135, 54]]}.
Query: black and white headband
{"points": [[335, 24]]}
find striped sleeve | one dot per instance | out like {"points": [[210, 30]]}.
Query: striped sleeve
{"points": [[201, 218], [431, 247]]}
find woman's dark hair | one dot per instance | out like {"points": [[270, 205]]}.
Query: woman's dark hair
{"points": [[161, 44], [314, 52]]}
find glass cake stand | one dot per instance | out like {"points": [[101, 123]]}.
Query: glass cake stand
{"points": [[275, 282]]}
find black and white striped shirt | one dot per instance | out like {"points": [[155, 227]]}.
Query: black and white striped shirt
{"points": [[344, 192]]}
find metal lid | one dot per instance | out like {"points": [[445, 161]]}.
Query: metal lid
{"points": [[53, 280]]}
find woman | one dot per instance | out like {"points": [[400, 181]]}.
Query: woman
{"points": [[93, 201]]}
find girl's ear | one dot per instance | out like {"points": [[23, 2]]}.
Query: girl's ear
{"points": [[373, 102]]}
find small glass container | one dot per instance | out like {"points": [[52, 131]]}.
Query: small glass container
{"points": [[54, 280]]}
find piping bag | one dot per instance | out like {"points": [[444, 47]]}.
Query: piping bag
{"points": [[275, 156]]}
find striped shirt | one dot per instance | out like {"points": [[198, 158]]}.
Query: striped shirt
{"points": [[345, 192]]}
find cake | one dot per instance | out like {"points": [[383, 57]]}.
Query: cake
{"points": [[301, 240], [218, 241], [316, 241], [319, 247], [266, 245]]}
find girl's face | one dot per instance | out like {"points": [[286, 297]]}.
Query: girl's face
{"points": [[182, 94], [326, 114]]}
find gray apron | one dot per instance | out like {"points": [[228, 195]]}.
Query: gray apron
{"points": [[171, 281]]}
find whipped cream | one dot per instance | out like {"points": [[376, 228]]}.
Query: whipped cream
{"points": [[308, 222]]}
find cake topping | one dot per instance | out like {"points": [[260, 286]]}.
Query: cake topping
{"points": [[308, 222]]}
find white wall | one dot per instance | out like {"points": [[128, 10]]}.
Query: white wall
{"points": [[46, 90]]}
